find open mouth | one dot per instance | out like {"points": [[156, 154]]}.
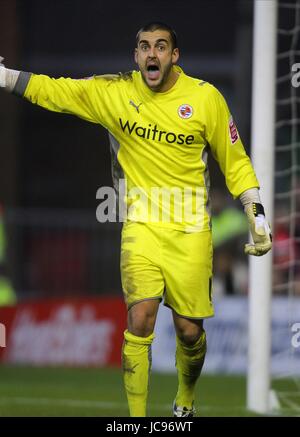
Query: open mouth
{"points": [[153, 71]]}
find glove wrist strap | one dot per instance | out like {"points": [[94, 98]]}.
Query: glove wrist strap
{"points": [[258, 209]]}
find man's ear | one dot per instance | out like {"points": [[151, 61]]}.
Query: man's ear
{"points": [[135, 56], [175, 56]]}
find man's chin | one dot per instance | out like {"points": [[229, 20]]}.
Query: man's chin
{"points": [[153, 84]]}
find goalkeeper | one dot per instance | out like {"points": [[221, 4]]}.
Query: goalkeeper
{"points": [[161, 123]]}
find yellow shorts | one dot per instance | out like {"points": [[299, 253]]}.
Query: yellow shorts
{"points": [[158, 262]]}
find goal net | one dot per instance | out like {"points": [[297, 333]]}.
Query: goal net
{"points": [[273, 383], [285, 363]]}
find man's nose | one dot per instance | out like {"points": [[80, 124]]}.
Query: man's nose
{"points": [[152, 52]]}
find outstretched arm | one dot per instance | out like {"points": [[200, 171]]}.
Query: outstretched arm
{"points": [[80, 97]]}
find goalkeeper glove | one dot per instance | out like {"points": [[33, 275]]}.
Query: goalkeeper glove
{"points": [[260, 231], [2, 74], [8, 78]]}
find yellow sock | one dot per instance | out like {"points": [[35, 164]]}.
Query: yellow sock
{"points": [[136, 357], [189, 363]]}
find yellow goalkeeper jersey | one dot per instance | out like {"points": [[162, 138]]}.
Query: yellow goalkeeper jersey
{"points": [[159, 141]]}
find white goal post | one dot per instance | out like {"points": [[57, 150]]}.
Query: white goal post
{"points": [[263, 152]]}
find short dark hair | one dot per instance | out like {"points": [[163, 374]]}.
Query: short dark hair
{"points": [[156, 25]]}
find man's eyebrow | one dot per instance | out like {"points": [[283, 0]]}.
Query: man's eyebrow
{"points": [[162, 40], [144, 41]]}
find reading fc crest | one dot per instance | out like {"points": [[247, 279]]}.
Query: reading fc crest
{"points": [[185, 111]]}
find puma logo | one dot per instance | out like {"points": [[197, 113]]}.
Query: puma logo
{"points": [[135, 106]]}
